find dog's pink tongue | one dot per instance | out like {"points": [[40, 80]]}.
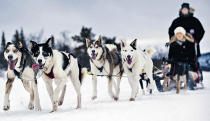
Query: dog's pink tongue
{"points": [[35, 66], [12, 65], [129, 61], [93, 57]]}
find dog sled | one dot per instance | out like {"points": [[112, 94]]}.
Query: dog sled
{"points": [[194, 78]]}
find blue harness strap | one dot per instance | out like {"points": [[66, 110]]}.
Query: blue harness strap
{"points": [[101, 68], [18, 74]]}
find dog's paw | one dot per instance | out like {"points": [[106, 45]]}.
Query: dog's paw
{"points": [[60, 103], [78, 107], [55, 107], [38, 108], [30, 106], [116, 98], [177, 92], [94, 97], [53, 110], [132, 99], [6, 107]]}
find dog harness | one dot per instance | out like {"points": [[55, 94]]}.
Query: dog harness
{"points": [[19, 74], [51, 74], [99, 68]]}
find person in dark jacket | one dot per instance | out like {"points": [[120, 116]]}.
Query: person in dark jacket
{"points": [[190, 23], [180, 56], [181, 47]]}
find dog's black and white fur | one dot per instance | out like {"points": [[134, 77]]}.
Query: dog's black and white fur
{"points": [[105, 60], [20, 65], [57, 66]]}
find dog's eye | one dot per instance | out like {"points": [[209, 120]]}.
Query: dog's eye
{"points": [[125, 50], [96, 47], [131, 50], [91, 46], [15, 51], [36, 54], [6, 50], [45, 54]]}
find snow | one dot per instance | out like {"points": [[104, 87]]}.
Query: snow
{"points": [[167, 106]]}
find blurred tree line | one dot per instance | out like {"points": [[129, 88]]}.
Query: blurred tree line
{"points": [[62, 44], [65, 43]]}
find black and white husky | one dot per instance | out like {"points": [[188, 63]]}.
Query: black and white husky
{"points": [[104, 60], [20, 65], [57, 66], [135, 63]]}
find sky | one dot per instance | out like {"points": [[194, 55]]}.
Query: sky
{"points": [[146, 20]]}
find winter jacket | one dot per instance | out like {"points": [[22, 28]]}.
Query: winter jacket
{"points": [[192, 25], [182, 52]]}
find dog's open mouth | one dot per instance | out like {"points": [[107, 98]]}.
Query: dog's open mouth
{"points": [[12, 64], [41, 66], [93, 56], [38, 66], [129, 60]]}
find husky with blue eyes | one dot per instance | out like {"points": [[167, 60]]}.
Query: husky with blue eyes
{"points": [[20, 65], [136, 63], [57, 66]]}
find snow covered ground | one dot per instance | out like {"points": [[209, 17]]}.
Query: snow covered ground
{"points": [[167, 106]]}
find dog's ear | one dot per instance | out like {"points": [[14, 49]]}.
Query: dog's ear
{"points": [[8, 43], [99, 41], [33, 44], [49, 42], [88, 42], [122, 44], [133, 44], [20, 44]]}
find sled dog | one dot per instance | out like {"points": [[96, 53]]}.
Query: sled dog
{"points": [[105, 60], [135, 63], [57, 66], [20, 65]]}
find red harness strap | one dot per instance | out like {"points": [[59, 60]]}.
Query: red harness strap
{"points": [[51, 74]]}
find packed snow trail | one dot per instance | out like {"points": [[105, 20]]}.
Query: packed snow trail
{"points": [[166, 106]]}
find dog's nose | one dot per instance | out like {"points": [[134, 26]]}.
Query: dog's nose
{"points": [[128, 56], [40, 61], [93, 51], [10, 57]]}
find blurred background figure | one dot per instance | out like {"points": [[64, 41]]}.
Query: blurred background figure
{"points": [[193, 26]]}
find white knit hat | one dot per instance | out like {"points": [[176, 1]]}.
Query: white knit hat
{"points": [[180, 30]]}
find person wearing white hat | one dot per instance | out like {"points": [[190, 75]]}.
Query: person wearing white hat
{"points": [[180, 56], [180, 30], [180, 36]]}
